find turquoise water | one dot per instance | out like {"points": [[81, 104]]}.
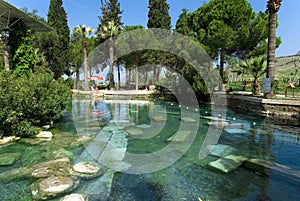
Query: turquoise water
{"points": [[189, 177]]}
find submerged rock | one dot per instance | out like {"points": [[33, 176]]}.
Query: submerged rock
{"points": [[8, 159], [227, 164], [52, 187], [86, 170], [63, 153], [134, 131], [32, 141], [265, 167], [220, 150], [180, 136], [26, 172], [159, 118], [188, 120], [75, 197]]}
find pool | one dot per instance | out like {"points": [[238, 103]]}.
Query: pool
{"points": [[149, 163]]}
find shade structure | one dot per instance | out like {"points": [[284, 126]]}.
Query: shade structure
{"points": [[10, 14], [96, 77]]}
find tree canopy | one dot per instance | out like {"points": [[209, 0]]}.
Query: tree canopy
{"points": [[225, 28], [158, 15]]}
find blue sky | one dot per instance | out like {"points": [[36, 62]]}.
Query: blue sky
{"points": [[136, 11]]}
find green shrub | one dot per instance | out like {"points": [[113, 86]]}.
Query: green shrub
{"points": [[30, 101]]}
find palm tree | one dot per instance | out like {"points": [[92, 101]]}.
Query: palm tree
{"points": [[108, 32], [256, 67], [84, 32], [272, 7]]}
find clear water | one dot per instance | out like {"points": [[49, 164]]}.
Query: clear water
{"points": [[188, 178]]}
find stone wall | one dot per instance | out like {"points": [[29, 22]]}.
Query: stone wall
{"points": [[279, 111]]}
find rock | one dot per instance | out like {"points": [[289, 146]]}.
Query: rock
{"points": [[188, 120], [220, 150], [46, 127], [180, 136], [52, 187], [45, 134], [9, 139], [26, 172], [227, 164], [134, 131], [45, 172], [159, 118], [86, 170], [75, 197], [9, 158]]}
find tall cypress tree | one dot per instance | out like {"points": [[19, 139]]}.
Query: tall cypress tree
{"points": [[111, 11], [57, 19], [158, 16]]}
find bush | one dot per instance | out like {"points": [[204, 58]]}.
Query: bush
{"points": [[30, 101]]}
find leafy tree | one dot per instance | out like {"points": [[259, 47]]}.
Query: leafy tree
{"points": [[183, 24], [57, 19], [25, 57], [227, 28], [273, 7], [30, 101], [255, 67], [17, 34]]}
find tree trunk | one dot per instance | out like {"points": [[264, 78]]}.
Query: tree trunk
{"points": [[5, 50], [136, 79], [85, 66], [111, 65], [271, 52], [128, 75], [273, 7], [119, 77], [221, 70]]}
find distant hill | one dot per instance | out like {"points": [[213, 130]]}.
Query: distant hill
{"points": [[288, 63]]}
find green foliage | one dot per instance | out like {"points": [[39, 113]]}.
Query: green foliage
{"points": [[256, 67], [30, 101], [158, 16], [58, 56], [19, 32], [25, 57]]}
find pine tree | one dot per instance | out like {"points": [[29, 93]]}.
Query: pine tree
{"points": [[111, 11], [158, 16], [57, 19]]}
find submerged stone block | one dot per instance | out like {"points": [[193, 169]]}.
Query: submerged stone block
{"points": [[179, 136], [220, 150], [228, 163], [8, 159]]}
